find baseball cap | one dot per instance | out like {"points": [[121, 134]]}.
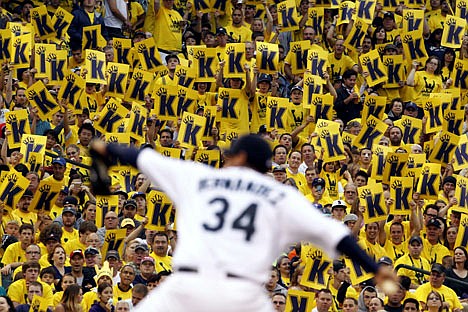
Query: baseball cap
{"points": [[70, 210], [139, 33], [390, 47], [147, 259], [64, 190], [339, 203], [138, 194], [141, 247], [297, 88], [53, 236], [113, 254], [76, 252], [126, 222], [350, 217], [439, 268], [28, 193], [130, 202], [70, 200], [434, 222], [385, 260], [279, 169], [389, 15], [257, 149], [450, 179], [338, 265], [318, 181], [91, 251], [59, 160], [264, 78], [121, 192], [416, 239], [221, 31], [411, 105]]}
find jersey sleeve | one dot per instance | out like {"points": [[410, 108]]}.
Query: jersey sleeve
{"points": [[168, 173], [303, 222]]}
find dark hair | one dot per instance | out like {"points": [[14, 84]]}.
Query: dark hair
{"points": [[431, 206], [141, 289], [10, 304], [256, 34], [307, 144], [348, 73], [466, 256], [279, 146], [439, 64], [87, 226], [374, 35], [153, 278], [411, 300], [48, 270], [449, 65], [30, 264], [52, 229], [103, 286], [87, 126], [168, 131], [363, 174], [26, 226]]}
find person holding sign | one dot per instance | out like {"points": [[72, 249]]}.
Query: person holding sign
{"points": [[234, 209], [347, 104], [425, 82]]}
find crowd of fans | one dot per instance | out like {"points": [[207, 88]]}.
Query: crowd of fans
{"points": [[59, 255]]}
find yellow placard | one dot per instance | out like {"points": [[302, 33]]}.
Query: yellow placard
{"points": [[5, 42], [104, 204], [395, 70], [433, 112], [148, 54], [165, 102], [12, 188], [191, 130], [20, 51], [122, 48], [71, 87], [345, 12], [411, 128], [371, 197], [322, 106], [277, 114], [186, 100], [141, 84], [210, 113], [208, 157], [401, 190], [114, 240], [17, 122], [171, 152], [95, 64], [413, 47], [159, 212], [45, 196], [454, 29], [429, 181], [462, 235], [444, 148], [228, 100], [316, 18], [40, 54], [267, 57], [31, 143], [185, 76], [413, 20], [92, 38], [461, 193], [299, 300], [357, 273], [394, 166], [43, 26], [372, 130], [312, 87], [120, 138], [205, 62], [365, 10], [453, 121], [40, 97], [356, 36], [298, 61], [461, 154], [234, 56], [35, 161], [316, 272], [61, 21], [287, 16], [117, 75], [112, 114], [330, 140], [375, 106], [137, 122], [39, 304], [371, 63], [317, 62], [56, 66]]}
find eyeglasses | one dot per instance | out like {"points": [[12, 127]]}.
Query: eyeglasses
{"points": [[350, 192]]}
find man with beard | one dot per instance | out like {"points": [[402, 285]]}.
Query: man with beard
{"points": [[396, 135], [84, 275], [22, 212], [237, 31]]}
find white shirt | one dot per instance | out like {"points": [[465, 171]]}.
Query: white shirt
{"points": [[110, 20], [235, 220]]}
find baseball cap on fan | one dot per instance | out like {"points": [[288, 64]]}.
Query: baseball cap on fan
{"points": [[257, 149]]}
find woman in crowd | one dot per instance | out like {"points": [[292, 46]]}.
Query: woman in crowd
{"points": [[57, 258], [6, 305], [283, 266], [427, 81], [105, 294], [66, 281], [434, 302], [459, 271], [71, 300]]}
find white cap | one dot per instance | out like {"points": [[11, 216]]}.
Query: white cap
{"points": [[339, 203]]}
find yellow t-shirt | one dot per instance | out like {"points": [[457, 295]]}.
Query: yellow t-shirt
{"points": [[434, 253], [89, 299], [68, 236], [395, 251], [167, 31], [119, 294], [300, 179], [258, 108], [14, 253], [135, 10], [25, 217], [239, 34], [162, 263], [74, 244], [18, 292], [424, 85], [416, 277], [375, 251], [448, 295], [339, 66]]}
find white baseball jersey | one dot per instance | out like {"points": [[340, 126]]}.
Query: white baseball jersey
{"points": [[235, 220]]}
